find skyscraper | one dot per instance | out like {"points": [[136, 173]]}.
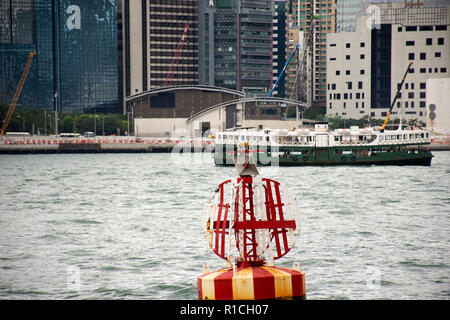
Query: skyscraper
{"points": [[235, 44], [76, 66], [153, 33], [315, 18]]}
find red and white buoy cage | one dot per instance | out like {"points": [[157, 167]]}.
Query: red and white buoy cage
{"points": [[251, 221]]}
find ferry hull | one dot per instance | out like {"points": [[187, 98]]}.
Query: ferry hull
{"points": [[331, 157]]}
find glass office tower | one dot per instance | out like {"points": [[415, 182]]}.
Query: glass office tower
{"points": [[76, 66]]}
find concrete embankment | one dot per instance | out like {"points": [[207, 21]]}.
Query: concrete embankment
{"points": [[157, 145]]}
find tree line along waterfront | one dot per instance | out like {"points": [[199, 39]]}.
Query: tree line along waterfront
{"points": [[39, 121]]}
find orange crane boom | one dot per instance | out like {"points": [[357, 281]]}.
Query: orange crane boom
{"points": [[177, 55], [12, 106]]}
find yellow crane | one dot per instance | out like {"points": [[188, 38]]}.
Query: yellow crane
{"points": [[12, 106]]}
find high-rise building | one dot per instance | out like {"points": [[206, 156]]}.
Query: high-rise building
{"points": [[76, 66], [160, 37], [279, 47], [314, 18], [366, 67], [235, 44]]}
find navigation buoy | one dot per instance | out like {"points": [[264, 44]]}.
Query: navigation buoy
{"points": [[251, 221]]}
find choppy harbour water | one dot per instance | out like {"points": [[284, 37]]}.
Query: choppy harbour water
{"points": [[128, 226]]}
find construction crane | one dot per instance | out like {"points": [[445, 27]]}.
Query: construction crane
{"points": [[176, 57], [12, 106], [282, 71], [396, 96]]}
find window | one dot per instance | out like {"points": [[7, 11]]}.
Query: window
{"points": [[440, 41], [347, 57], [333, 86], [413, 28], [361, 56], [362, 44], [345, 96], [411, 95], [422, 104], [332, 44], [437, 54], [423, 70], [347, 45], [423, 85], [360, 85], [407, 85], [436, 70], [440, 28], [362, 71], [349, 85], [412, 85], [426, 28], [423, 56], [443, 70], [422, 94], [347, 72], [429, 41], [411, 56], [358, 95], [411, 70], [399, 29], [410, 43], [332, 59], [338, 72]]}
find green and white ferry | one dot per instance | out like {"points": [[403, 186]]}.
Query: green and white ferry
{"points": [[322, 146]]}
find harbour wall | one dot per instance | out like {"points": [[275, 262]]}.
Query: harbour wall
{"points": [[123, 145]]}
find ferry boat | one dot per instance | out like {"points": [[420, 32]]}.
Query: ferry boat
{"points": [[322, 146]]}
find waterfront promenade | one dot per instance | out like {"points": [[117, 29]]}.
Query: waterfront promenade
{"points": [[55, 144]]}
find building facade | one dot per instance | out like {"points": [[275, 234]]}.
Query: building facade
{"points": [[315, 19], [76, 66], [159, 38], [365, 67], [279, 48], [235, 44]]}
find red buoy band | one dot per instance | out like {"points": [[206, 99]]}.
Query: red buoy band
{"points": [[252, 283]]}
